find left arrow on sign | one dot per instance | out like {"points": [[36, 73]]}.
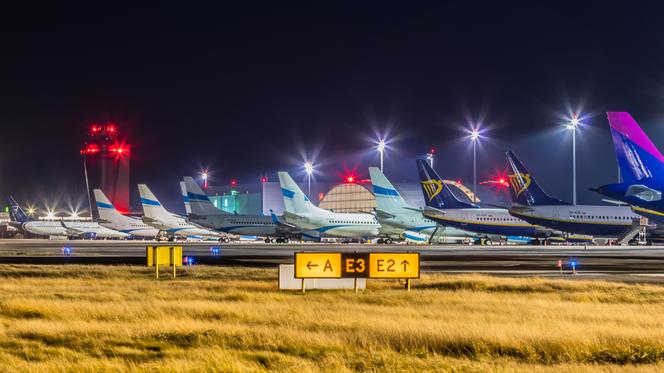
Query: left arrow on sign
{"points": [[309, 265]]}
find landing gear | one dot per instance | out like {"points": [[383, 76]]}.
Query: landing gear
{"points": [[386, 241], [224, 240], [277, 240]]}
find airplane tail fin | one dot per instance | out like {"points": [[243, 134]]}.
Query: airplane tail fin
{"points": [[199, 202], [638, 158], [152, 208], [436, 193], [185, 198], [387, 196], [295, 201], [105, 208], [524, 190], [16, 212]]}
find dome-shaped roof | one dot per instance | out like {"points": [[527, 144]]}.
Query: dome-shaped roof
{"points": [[348, 197]]}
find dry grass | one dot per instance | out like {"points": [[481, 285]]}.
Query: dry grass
{"points": [[89, 318]]}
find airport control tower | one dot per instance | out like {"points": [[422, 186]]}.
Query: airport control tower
{"points": [[106, 164]]}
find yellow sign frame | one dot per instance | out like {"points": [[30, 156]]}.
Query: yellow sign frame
{"points": [[377, 265]]}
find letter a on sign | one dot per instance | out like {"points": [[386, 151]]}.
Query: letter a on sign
{"points": [[318, 265]]}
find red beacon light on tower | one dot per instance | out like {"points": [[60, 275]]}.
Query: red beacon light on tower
{"points": [[95, 129], [90, 149], [233, 182], [111, 129]]}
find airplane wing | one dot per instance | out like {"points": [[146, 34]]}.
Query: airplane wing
{"points": [[519, 208], [284, 225], [613, 201], [154, 223], [381, 214], [72, 231]]}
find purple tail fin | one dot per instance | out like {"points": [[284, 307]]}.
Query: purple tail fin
{"points": [[638, 158]]}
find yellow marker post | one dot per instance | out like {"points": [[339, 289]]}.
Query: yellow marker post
{"points": [[157, 257]]}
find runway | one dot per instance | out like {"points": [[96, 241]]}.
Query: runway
{"points": [[628, 262]]}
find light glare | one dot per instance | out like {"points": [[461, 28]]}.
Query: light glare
{"points": [[308, 168]]}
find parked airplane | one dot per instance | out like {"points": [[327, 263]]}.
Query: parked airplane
{"points": [[532, 204], [171, 224], [76, 229], [400, 220], [300, 212], [204, 213], [444, 207], [111, 218], [641, 167]]}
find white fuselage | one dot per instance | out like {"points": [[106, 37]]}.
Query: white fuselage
{"points": [[493, 221], [57, 228], [600, 221], [405, 224], [351, 225], [132, 226], [179, 226]]}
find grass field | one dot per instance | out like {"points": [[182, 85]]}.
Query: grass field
{"points": [[93, 318]]}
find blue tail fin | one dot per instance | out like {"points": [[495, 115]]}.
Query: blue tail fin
{"points": [[16, 212], [436, 193], [638, 158], [523, 187]]}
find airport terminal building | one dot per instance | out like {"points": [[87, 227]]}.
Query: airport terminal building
{"points": [[262, 198]]}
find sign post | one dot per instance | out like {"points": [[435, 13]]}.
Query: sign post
{"points": [[164, 256]]}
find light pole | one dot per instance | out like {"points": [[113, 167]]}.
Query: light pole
{"points": [[474, 136], [309, 169], [572, 125], [204, 176], [430, 156], [381, 150]]}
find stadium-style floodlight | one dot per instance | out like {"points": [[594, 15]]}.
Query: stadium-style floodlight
{"points": [[430, 155], [31, 211], [474, 138], [572, 125], [73, 215], [50, 215], [309, 169], [204, 176], [381, 149]]}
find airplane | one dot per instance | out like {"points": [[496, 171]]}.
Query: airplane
{"points": [[443, 207], [400, 220], [204, 213], [187, 206], [300, 212], [532, 204], [641, 167], [172, 225], [76, 229], [111, 218]]}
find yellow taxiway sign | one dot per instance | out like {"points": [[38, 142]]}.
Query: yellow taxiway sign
{"points": [[357, 265], [317, 265], [394, 265]]}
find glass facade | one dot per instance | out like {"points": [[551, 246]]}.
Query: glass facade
{"points": [[348, 198], [244, 204]]}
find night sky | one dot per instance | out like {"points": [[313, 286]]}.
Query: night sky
{"points": [[253, 90]]}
